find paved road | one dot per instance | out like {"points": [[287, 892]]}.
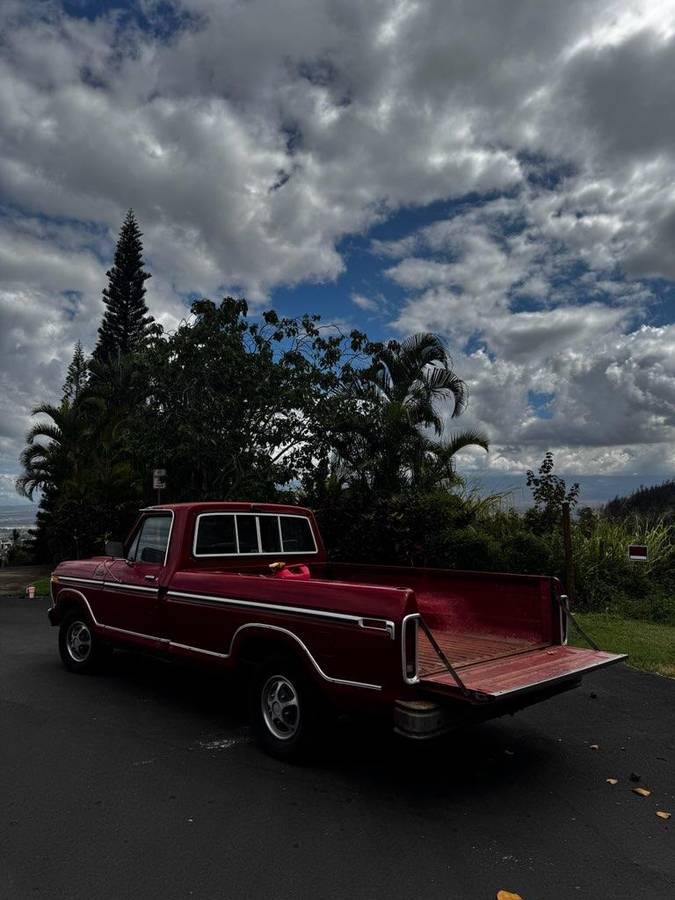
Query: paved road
{"points": [[143, 783]]}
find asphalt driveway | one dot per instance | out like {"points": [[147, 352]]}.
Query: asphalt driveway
{"points": [[144, 783]]}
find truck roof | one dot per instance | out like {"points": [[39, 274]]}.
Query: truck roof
{"points": [[230, 506]]}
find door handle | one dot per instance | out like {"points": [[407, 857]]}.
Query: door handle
{"points": [[150, 577]]}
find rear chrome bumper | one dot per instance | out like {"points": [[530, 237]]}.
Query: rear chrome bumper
{"points": [[420, 719]]}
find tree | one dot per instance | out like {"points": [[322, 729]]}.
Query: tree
{"points": [[237, 408], [549, 492], [126, 323], [386, 445], [76, 376], [54, 448]]}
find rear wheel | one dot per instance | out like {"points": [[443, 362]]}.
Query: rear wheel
{"points": [[284, 710], [81, 650]]}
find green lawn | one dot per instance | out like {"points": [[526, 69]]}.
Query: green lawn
{"points": [[649, 646], [42, 587]]}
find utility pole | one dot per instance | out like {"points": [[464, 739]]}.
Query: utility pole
{"points": [[569, 561]]}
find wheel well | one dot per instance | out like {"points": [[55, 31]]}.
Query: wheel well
{"points": [[69, 605], [253, 649]]}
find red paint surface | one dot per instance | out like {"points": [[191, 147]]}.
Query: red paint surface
{"points": [[501, 631], [533, 668]]}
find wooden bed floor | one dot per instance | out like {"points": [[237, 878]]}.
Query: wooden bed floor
{"points": [[466, 649]]}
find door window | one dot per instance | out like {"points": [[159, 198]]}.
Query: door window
{"points": [[152, 540]]}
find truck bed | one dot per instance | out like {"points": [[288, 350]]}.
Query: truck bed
{"points": [[467, 649], [501, 633]]}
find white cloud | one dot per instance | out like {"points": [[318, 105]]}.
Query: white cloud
{"points": [[365, 303], [251, 141]]}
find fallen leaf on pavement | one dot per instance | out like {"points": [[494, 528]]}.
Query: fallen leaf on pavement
{"points": [[643, 792], [612, 780], [507, 895], [663, 815]]}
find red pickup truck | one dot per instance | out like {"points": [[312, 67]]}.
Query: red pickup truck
{"points": [[249, 586]]}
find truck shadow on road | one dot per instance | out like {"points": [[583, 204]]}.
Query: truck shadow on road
{"points": [[475, 758]]}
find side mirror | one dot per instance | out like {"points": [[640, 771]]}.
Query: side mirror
{"points": [[114, 548]]}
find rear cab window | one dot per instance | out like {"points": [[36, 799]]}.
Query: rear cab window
{"points": [[245, 534]]}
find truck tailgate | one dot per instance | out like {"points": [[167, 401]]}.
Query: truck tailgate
{"points": [[522, 672]]}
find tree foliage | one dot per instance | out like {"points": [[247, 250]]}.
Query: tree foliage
{"points": [[390, 437], [645, 501], [126, 322], [264, 408], [77, 375], [549, 492]]}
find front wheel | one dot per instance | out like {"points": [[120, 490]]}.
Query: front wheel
{"points": [[284, 710], [81, 650]]}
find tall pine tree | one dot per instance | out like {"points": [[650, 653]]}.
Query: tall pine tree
{"points": [[126, 323], [76, 376]]}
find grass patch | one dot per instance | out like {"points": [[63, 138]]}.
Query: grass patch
{"points": [[42, 587], [649, 646]]}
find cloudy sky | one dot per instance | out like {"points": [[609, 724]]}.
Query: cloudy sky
{"points": [[502, 173]]}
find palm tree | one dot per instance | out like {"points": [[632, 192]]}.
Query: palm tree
{"points": [[400, 394], [53, 448], [413, 376]]}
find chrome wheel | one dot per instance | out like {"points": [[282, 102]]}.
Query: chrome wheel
{"points": [[78, 641], [280, 707]]}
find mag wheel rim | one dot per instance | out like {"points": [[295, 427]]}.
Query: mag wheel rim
{"points": [[78, 642], [280, 707]]}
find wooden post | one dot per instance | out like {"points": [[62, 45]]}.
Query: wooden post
{"points": [[569, 561]]}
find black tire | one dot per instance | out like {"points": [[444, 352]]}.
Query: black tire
{"points": [[81, 650], [290, 729]]}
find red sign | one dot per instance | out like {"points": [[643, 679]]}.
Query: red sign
{"points": [[637, 552]]}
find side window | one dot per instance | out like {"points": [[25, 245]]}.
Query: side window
{"points": [[296, 535], [270, 539], [152, 540], [215, 535], [247, 534]]}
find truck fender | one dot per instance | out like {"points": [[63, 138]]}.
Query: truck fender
{"points": [[285, 639], [73, 600], [254, 642]]}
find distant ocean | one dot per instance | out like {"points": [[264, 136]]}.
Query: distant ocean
{"points": [[21, 517]]}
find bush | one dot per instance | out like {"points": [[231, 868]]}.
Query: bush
{"points": [[442, 529]]}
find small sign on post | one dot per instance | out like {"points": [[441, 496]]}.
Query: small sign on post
{"points": [[637, 552], [159, 482]]}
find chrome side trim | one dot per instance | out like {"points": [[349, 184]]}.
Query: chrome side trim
{"points": [[272, 607], [410, 620], [372, 623], [62, 578], [114, 585], [169, 644], [147, 637], [343, 681], [123, 586]]}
